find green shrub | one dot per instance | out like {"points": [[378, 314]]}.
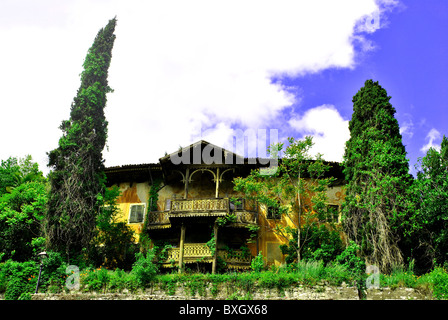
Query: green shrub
{"points": [[196, 283], [145, 268], [246, 281], [168, 282], [257, 263], [53, 271], [18, 279], [400, 277], [310, 272], [16, 287], [117, 281], [439, 280], [319, 243], [336, 273], [351, 260], [267, 280]]}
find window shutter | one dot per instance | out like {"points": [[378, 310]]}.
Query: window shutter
{"points": [[136, 215]]}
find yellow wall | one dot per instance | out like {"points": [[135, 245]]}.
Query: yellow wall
{"points": [[268, 240], [137, 193]]}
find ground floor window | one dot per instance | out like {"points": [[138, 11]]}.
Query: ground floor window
{"points": [[136, 213]]}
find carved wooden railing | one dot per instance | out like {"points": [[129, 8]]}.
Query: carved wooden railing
{"points": [[245, 217], [192, 252], [245, 211], [158, 217], [195, 205], [200, 252], [235, 257]]}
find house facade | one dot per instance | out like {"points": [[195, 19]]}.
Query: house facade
{"points": [[197, 212]]}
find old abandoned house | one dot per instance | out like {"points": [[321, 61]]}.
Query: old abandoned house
{"points": [[197, 214]]}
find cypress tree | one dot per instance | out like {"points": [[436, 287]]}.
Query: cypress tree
{"points": [[77, 177], [377, 174]]}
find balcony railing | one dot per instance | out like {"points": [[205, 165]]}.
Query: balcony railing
{"points": [[200, 252], [199, 205], [193, 252], [158, 218], [245, 211]]}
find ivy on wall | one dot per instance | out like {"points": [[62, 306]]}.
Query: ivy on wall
{"points": [[153, 197]]}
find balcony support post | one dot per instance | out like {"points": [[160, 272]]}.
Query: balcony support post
{"points": [[187, 178], [181, 248], [215, 254], [217, 183]]}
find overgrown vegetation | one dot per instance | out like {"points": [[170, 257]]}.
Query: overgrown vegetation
{"points": [[18, 279], [378, 179], [77, 178], [391, 219], [427, 238], [295, 196]]}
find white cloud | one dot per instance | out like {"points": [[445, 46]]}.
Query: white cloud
{"points": [[432, 136], [407, 126], [177, 66], [328, 128]]}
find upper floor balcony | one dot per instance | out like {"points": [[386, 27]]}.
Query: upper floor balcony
{"points": [[243, 211]]}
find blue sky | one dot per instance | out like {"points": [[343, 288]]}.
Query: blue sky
{"points": [[189, 70], [410, 60]]}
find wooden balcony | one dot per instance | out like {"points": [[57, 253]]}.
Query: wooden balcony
{"points": [[200, 252], [193, 252], [199, 207], [244, 212]]}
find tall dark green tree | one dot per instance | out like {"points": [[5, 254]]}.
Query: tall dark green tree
{"points": [[77, 177], [430, 234], [377, 172]]}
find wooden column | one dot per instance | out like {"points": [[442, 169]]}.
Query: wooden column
{"points": [[217, 183], [187, 178], [181, 248], [215, 255]]}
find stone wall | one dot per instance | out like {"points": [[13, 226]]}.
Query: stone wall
{"points": [[293, 293]]}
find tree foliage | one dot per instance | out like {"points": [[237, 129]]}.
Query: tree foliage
{"points": [[77, 177], [430, 226], [14, 172], [22, 207], [377, 172], [113, 238], [296, 192]]}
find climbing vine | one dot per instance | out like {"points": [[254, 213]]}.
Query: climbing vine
{"points": [[212, 243], [153, 197], [77, 179]]}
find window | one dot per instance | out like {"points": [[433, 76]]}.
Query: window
{"points": [[273, 213], [136, 213]]}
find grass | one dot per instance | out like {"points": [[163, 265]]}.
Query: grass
{"points": [[242, 285], [307, 273]]}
